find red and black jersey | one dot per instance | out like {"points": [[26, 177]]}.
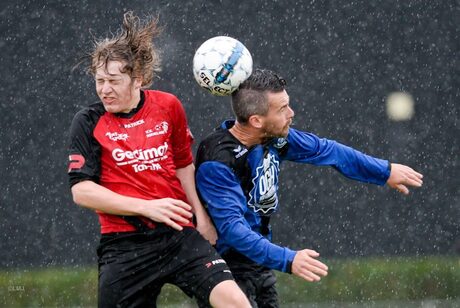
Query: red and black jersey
{"points": [[134, 154]]}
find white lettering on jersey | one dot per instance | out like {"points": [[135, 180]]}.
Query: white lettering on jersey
{"points": [[141, 159], [240, 151], [117, 136], [143, 167], [159, 129], [134, 124]]}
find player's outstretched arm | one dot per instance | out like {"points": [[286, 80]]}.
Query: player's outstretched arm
{"points": [[96, 197], [402, 176], [306, 266]]}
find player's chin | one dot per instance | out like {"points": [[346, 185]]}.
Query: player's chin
{"points": [[282, 134], [111, 108], [285, 132]]}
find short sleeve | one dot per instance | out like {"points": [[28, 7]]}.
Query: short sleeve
{"points": [[84, 150]]}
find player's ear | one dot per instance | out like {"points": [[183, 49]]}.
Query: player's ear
{"points": [[256, 121], [137, 82]]}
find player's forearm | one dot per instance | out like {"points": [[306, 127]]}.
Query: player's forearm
{"points": [[256, 247], [360, 166], [186, 176], [96, 197]]}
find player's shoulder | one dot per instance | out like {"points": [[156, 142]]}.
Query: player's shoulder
{"points": [[220, 146], [86, 119], [90, 113], [161, 97], [219, 140]]}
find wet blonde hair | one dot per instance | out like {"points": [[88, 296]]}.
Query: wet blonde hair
{"points": [[131, 45]]}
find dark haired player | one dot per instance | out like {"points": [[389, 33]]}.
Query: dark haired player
{"points": [[238, 167], [131, 162]]}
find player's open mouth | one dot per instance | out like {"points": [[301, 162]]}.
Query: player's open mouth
{"points": [[108, 100]]}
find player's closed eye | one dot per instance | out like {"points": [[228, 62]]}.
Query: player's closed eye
{"points": [[111, 81]]}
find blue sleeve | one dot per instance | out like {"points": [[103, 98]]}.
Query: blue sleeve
{"points": [[220, 190], [308, 148]]}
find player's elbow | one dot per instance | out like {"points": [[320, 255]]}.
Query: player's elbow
{"points": [[78, 193], [233, 231], [76, 196]]}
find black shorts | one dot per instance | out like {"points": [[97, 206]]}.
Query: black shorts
{"points": [[134, 266], [256, 281]]}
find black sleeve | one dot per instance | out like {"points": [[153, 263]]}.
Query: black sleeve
{"points": [[84, 150]]}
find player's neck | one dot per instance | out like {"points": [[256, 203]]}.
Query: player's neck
{"points": [[135, 100], [246, 134]]}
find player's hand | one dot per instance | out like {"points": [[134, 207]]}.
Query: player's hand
{"points": [[168, 211], [307, 267], [402, 176], [206, 228]]}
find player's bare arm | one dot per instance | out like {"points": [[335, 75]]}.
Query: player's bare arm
{"points": [[96, 197], [402, 176], [204, 224], [306, 266]]}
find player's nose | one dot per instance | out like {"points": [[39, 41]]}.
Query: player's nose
{"points": [[106, 88], [291, 112]]}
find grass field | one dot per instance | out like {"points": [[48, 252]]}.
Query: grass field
{"points": [[370, 282]]}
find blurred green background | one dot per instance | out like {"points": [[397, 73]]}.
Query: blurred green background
{"points": [[367, 282]]}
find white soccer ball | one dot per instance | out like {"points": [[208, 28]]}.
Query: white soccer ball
{"points": [[221, 64]]}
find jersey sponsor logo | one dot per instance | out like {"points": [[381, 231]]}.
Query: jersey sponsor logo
{"points": [[240, 151], [147, 166], [76, 162], [159, 129], [134, 124], [142, 159], [263, 197], [156, 152], [117, 136]]}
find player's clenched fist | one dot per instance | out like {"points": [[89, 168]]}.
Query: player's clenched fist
{"points": [[306, 266]]}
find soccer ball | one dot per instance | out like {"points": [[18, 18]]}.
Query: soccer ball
{"points": [[221, 64]]}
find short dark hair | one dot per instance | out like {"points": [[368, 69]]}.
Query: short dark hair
{"points": [[251, 96]]}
